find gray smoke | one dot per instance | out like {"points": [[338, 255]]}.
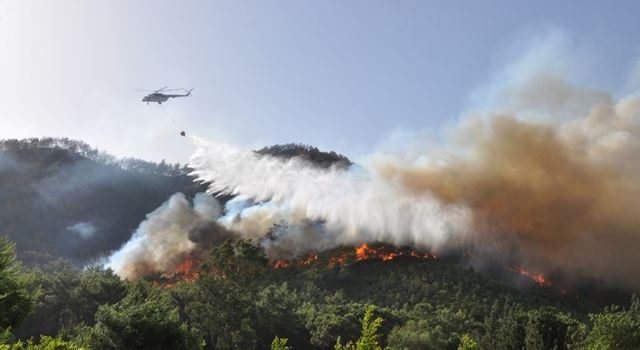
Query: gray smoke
{"points": [[164, 239]]}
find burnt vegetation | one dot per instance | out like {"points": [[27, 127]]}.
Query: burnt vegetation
{"points": [[235, 298]]}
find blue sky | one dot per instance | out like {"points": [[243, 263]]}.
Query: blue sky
{"points": [[342, 75]]}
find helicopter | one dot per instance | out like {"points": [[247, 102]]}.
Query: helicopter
{"points": [[160, 95]]}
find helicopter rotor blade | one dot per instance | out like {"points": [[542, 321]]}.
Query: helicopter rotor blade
{"points": [[163, 89]]}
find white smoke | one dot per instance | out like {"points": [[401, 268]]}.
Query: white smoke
{"points": [[356, 205], [162, 240], [83, 229]]}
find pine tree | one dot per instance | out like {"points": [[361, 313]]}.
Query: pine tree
{"points": [[280, 344], [467, 343], [16, 301], [369, 338]]}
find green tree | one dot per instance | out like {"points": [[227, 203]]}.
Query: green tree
{"points": [[5, 338], [547, 329], [144, 319], [70, 298], [511, 330], [331, 317], [431, 328], [240, 260], [280, 344], [220, 310], [16, 300], [278, 312], [615, 328], [467, 342], [45, 343], [369, 338], [414, 334]]}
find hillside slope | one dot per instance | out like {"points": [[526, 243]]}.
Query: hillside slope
{"points": [[62, 198]]}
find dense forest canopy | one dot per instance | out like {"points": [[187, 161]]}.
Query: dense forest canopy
{"points": [[240, 301]]}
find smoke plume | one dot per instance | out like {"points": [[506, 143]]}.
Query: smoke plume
{"points": [[167, 236], [546, 174], [562, 193], [356, 205]]}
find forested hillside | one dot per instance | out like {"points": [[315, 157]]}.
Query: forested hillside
{"points": [[307, 153], [63, 204], [236, 299], [63, 198]]}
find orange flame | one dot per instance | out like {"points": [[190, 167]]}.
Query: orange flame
{"points": [[364, 252], [281, 264], [338, 260], [309, 259], [361, 253], [537, 277], [303, 261], [187, 270]]}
